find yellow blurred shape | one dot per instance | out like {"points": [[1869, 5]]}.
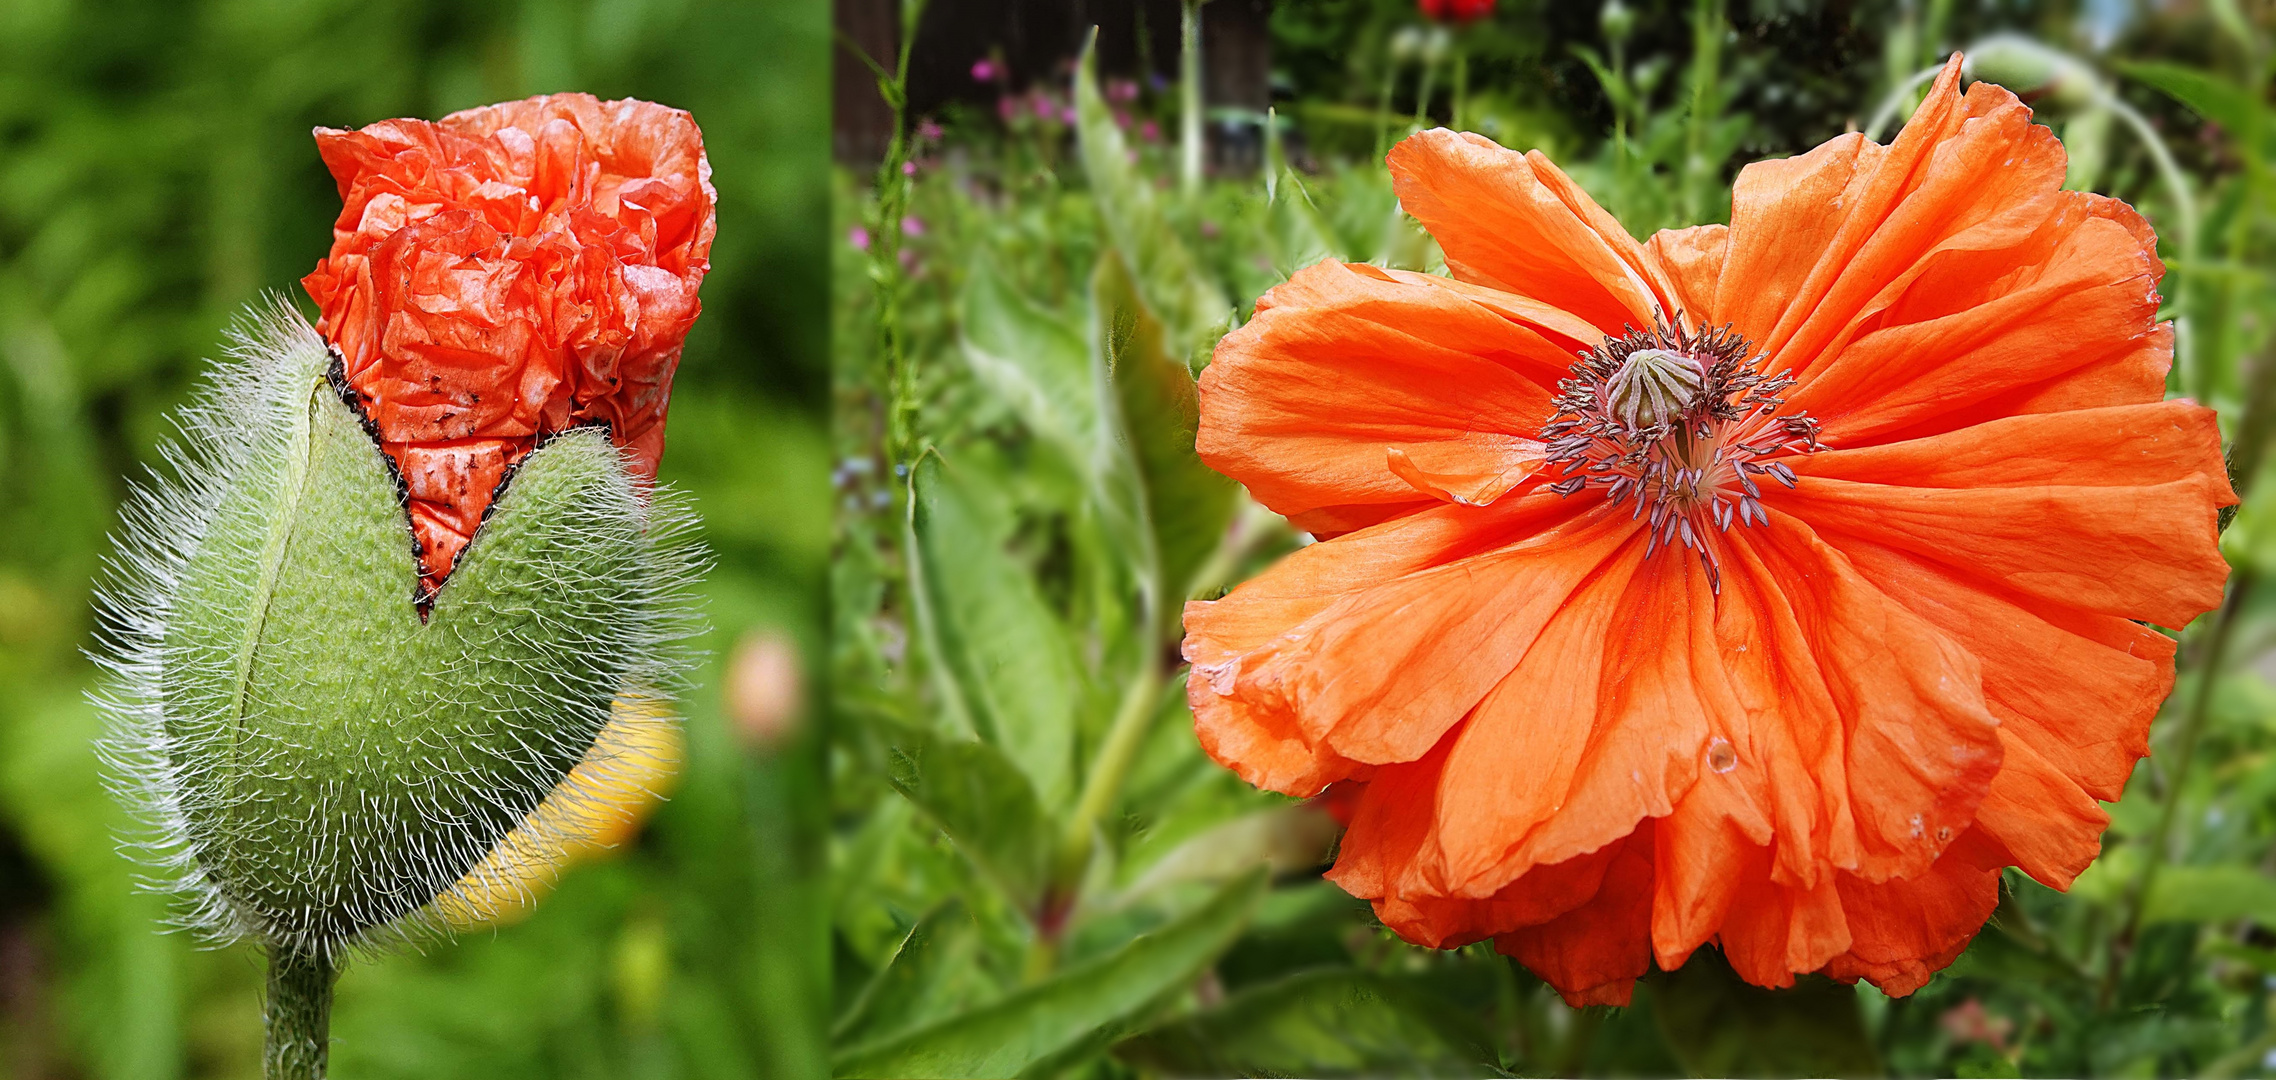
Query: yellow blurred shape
{"points": [[598, 806]]}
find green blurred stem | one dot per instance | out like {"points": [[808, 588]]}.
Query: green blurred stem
{"points": [[1102, 788], [1896, 100], [1700, 174], [1189, 97], [297, 1016], [2194, 381], [1383, 102], [2184, 755], [1461, 83], [885, 274], [1422, 93]]}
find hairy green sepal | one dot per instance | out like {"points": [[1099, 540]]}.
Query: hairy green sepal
{"points": [[321, 762]]}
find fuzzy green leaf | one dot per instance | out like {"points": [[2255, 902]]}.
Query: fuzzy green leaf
{"points": [[906, 991], [983, 802], [1035, 361], [1332, 1022], [1009, 661], [1168, 275], [1045, 1024], [1187, 502]]}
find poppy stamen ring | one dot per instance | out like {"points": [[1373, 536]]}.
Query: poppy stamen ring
{"points": [[1683, 422]]}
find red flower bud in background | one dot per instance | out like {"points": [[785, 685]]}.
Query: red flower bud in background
{"points": [[1455, 10], [506, 273]]}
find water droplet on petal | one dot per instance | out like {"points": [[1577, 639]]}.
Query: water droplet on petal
{"points": [[1720, 756]]}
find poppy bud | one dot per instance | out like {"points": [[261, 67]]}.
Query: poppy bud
{"points": [[405, 567]]}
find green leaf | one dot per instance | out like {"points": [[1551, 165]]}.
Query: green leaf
{"points": [[1004, 653], [1035, 361], [1718, 1025], [1186, 502], [985, 805], [1046, 1023], [2210, 894], [1297, 232], [908, 989], [1333, 1022], [1168, 275], [1283, 838], [2210, 96]]}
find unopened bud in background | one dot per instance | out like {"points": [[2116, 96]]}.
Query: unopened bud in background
{"points": [[765, 689]]}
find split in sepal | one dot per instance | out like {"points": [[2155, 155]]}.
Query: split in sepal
{"points": [[320, 750]]}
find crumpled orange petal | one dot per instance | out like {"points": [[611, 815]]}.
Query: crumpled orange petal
{"points": [[1928, 662], [506, 273]]}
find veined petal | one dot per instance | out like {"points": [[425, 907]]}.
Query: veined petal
{"points": [[1343, 363], [2142, 552], [1903, 931], [1282, 628], [1515, 222], [1594, 953]]}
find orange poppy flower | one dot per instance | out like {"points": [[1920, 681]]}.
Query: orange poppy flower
{"points": [[1813, 594], [505, 273]]}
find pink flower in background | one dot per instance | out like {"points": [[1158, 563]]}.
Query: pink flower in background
{"points": [[912, 226], [986, 71], [1150, 131], [928, 130], [858, 237]]}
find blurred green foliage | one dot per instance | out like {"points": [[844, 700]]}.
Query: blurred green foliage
{"points": [[155, 175], [1004, 605]]}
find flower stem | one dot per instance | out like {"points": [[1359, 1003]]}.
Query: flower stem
{"points": [[1189, 97], [297, 1016], [2192, 729], [885, 274], [1133, 719]]}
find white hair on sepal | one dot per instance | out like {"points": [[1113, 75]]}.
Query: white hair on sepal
{"points": [[230, 440]]}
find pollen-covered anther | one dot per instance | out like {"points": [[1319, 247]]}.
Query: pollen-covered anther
{"points": [[1684, 423]]}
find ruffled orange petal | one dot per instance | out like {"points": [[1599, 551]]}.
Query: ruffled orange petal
{"points": [[1386, 831], [1910, 748], [1902, 932], [2071, 290], [2136, 552], [1693, 261], [1244, 646], [1594, 953], [1344, 364], [1515, 222], [1609, 712]]}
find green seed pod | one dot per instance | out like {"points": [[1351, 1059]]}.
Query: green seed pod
{"points": [[318, 757]]}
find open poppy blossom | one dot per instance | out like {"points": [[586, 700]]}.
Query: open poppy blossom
{"points": [[1769, 586], [506, 273]]}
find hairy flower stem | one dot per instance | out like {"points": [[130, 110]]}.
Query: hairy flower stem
{"points": [[297, 1016]]}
